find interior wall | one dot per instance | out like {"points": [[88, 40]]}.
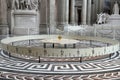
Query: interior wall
{"points": [[97, 6]]}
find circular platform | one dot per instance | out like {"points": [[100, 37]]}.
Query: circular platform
{"points": [[47, 50]]}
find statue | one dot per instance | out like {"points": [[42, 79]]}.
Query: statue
{"points": [[35, 4], [99, 18], [28, 4], [102, 18], [116, 8], [22, 4], [25, 4], [15, 4]]}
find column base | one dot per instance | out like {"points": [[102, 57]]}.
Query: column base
{"points": [[4, 29]]}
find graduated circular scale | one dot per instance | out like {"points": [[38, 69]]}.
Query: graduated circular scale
{"points": [[53, 48], [61, 41]]}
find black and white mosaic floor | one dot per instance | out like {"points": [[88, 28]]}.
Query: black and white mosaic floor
{"points": [[13, 68]]}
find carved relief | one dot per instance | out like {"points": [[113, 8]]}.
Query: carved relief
{"points": [[25, 4]]}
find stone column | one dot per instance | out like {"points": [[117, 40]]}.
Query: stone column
{"points": [[3, 12], [0, 13], [66, 11], [43, 16], [101, 5], [62, 12], [89, 11], [76, 15], [52, 16], [84, 12], [3, 17], [59, 12], [72, 12], [94, 11]]}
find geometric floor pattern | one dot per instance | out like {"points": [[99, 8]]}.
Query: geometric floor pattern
{"points": [[87, 70], [105, 76]]}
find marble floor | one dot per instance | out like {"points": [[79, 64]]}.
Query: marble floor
{"points": [[106, 68]]}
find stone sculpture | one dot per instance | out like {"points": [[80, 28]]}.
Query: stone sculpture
{"points": [[15, 4], [116, 8], [25, 4], [99, 18], [102, 18], [28, 4], [22, 4]]}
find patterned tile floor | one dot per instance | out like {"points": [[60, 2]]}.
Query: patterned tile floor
{"points": [[103, 69]]}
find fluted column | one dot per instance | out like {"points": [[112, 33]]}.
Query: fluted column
{"points": [[72, 12], [84, 12]]}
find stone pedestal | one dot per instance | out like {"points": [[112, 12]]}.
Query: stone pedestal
{"points": [[24, 22], [114, 19]]}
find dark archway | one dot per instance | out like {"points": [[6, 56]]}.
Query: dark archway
{"points": [[79, 16]]}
